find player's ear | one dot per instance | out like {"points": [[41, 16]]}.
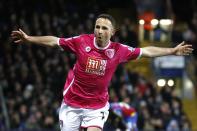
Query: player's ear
{"points": [[113, 31]]}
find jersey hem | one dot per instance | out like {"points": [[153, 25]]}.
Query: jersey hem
{"points": [[86, 107], [92, 126]]}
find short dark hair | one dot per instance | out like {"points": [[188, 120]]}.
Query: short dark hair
{"points": [[109, 17]]}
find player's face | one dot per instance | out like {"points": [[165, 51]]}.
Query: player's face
{"points": [[103, 31]]}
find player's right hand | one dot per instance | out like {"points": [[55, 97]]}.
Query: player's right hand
{"points": [[19, 36]]}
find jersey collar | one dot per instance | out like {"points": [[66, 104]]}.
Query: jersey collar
{"points": [[101, 48]]}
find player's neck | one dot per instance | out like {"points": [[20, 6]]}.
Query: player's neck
{"points": [[102, 45]]}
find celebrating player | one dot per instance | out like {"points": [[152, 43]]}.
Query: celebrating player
{"points": [[85, 103]]}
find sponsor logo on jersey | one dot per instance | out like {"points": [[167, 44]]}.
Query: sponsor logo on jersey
{"points": [[96, 66]]}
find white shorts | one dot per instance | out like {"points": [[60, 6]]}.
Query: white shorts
{"points": [[72, 119]]}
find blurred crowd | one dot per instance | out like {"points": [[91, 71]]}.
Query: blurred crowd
{"points": [[158, 108], [32, 77]]}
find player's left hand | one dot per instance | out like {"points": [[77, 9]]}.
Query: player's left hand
{"points": [[183, 49]]}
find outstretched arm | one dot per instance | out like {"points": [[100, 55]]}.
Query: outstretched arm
{"points": [[181, 49], [20, 37]]}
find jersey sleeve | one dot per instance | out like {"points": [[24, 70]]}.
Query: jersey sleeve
{"points": [[69, 44], [129, 53]]}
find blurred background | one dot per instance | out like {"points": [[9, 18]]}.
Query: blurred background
{"points": [[162, 90]]}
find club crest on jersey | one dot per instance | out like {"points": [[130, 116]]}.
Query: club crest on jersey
{"points": [[87, 49], [110, 53]]}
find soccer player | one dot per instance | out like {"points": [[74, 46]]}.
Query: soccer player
{"points": [[85, 103]]}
